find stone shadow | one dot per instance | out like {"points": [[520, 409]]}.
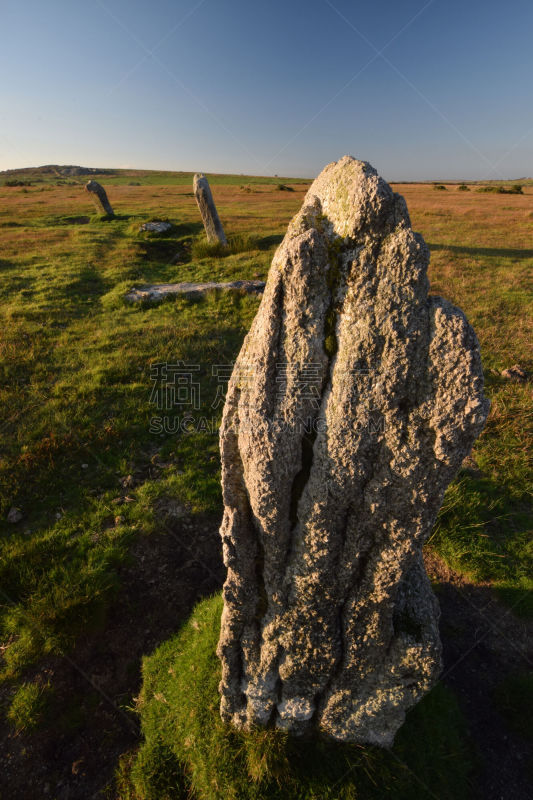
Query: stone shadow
{"points": [[270, 241], [86, 289], [174, 248], [502, 252], [77, 753], [484, 643]]}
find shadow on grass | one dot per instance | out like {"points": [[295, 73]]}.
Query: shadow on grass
{"points": [[483, 645], [108, 218], [164, 576], [178, 230], [164, 251], [4, 264], [17, 283], [270, 241], [502, 252], [157, 250], [86, 289], [78, 220]]}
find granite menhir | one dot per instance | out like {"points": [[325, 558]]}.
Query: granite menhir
{"points": [[353, 401]]}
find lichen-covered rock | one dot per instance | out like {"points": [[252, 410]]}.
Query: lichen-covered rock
{"points": [[14, 515], [155, 227], [208, 211], [352, 404]]}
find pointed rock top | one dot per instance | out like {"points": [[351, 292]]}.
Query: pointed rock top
{"points": [[355, 199]]}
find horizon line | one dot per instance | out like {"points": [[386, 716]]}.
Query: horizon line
{"points": [[102, 169]]}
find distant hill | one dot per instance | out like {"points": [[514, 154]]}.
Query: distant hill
{"points": [[68, 173], [57, 169], [49, 172]]}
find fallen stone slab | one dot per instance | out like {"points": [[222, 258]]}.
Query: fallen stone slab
{"points": [[156, 227], [191, 290]]}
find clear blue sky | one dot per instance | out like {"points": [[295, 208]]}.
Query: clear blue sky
{"points": [[439, 89]]}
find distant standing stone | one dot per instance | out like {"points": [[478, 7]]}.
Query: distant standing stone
{"points": [[206, 204], [99, 197]]}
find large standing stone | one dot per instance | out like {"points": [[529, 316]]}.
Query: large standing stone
{"points": [[99, 197], [206, 204], [352, 404]]}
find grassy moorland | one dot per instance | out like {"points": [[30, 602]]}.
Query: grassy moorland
{"points": [[89, 471]]}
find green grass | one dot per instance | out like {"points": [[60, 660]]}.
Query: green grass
{"points": [[188, 749], [236, 244], [27, 706], [484, 532], [75, 388]]}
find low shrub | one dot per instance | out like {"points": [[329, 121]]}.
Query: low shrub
{"points": [[440, 187], [14, 182], [240, 243], [516, 188]]}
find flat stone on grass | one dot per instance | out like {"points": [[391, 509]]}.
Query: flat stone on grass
{"points": [[155, 227], [159, 291]]}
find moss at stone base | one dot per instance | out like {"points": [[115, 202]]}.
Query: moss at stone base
{"points": [[189, 753]]}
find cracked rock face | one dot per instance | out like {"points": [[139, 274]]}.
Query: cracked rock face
{"points": [[351, 406]]}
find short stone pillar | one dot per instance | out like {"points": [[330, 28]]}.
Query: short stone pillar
{"points": [[351, 406], [99, 197], [206, 204]]}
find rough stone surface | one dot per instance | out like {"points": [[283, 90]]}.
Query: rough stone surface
{"points": [[156, 227], [515, 373], [212, 224], [99, 197], [192, 290], [14, 515], [333, 474]]}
